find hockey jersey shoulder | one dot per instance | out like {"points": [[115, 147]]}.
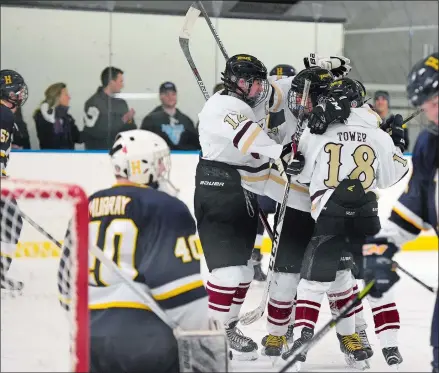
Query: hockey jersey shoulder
{"points": [[365, 117], [279, 95]]}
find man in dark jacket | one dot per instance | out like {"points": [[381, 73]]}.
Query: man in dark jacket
{"points": [[106, 116], [176, 128]]}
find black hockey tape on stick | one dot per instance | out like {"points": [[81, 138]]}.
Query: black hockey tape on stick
{"points": [[254, 315], [328, 326], [185, 34], [429, 288]]}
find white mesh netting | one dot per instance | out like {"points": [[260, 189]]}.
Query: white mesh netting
{"points": [[37, 334]]}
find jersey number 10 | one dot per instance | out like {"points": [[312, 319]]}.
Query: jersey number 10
{"points": [[120, 243]]}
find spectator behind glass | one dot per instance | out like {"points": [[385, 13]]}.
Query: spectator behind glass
{"points": [[382, 107], [56, 128], [20, 139], [176, 128], [104, 115]]}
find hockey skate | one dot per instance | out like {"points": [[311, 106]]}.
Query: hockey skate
{"points": [[288, 336], [274, 346], [306, 335], [393, 357], [241, 347], [354, 352]]}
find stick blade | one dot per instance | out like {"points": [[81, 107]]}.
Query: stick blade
{"points": [[189, 22], [252, 316]]}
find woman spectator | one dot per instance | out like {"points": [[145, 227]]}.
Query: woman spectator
{"points": [[56, 128]]}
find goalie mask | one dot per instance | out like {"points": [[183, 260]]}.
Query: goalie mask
{"points": [[141, 156], [13, 89], [245, 77], [320, 80]]}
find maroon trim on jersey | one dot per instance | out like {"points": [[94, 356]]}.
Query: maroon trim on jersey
{"points": [[241, 133], [318, 194]]}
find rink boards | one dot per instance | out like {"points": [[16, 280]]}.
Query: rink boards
{"points": [[92, 171]]}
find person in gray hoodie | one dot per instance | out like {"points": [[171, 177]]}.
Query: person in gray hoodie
{"points": [[104, 115]]}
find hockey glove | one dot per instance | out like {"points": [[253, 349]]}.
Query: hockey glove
{"points": [[297, 163], [378, 265], [338, 65], [394, 126], [335, 109]]}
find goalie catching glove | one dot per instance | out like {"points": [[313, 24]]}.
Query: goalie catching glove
{"points": [[338, 65], [378, 264]]}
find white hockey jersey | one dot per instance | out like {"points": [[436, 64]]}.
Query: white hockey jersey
{"points": [[298, 197], [356, 150], [233, 133]]}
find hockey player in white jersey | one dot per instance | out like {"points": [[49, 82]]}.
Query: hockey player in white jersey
{"points": [[233, 168], [344, 166], [298, 221]]}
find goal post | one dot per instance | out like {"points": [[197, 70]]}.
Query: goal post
{"points": [[37, 333]]}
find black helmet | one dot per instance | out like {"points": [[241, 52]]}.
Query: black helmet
{"points": [[249, 68], [283, 70], [422, 81], [13, 89], [320, 80], [353, 89]]}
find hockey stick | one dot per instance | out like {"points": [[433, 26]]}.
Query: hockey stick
{"points": [[187, 340], [147, 297], [429, 288], [384, 126], [256, 314], [328, 326], [191, 17]]}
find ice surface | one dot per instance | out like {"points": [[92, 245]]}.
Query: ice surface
{"points": [[415, 305]]}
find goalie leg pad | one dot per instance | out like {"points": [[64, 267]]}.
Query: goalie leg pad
{"points": [[203, 350]]}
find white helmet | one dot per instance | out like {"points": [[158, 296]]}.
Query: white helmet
{"points": [[140, 156]]}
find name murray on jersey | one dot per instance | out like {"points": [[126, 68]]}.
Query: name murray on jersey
{"points": [[174, 283]]}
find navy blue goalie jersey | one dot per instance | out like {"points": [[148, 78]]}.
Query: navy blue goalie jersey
{"points": [[6, 133], [151, 236], [417, 208]]}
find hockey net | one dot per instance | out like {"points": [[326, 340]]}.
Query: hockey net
{"points": [[37, 334]]}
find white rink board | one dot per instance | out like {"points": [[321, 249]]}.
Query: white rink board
{"points": [[92, 171]]}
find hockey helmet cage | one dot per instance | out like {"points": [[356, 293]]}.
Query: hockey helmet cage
{"points": [[13, 88], [320, 80], [249, 68]]}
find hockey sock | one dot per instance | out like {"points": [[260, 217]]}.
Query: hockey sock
{"points": [[280, 303]]}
